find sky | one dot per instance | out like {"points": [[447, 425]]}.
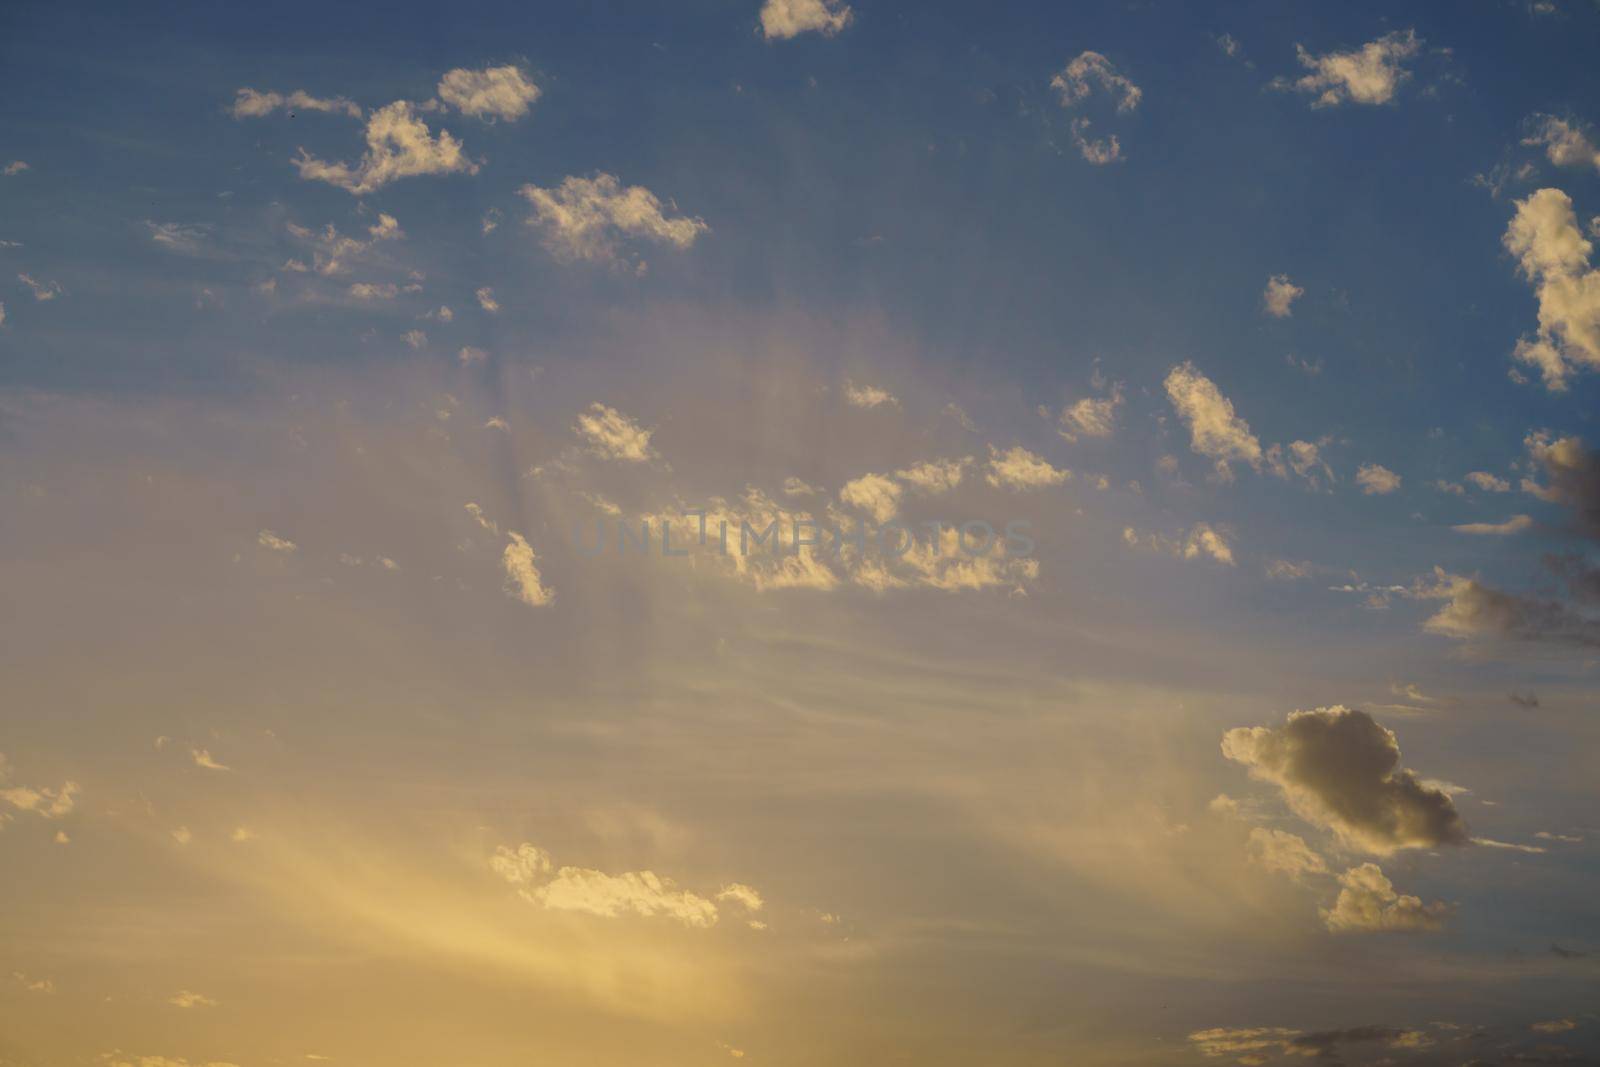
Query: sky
{"points": [[799, 532]]}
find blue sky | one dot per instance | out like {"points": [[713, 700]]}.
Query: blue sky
{"points": [[1278, 323]]}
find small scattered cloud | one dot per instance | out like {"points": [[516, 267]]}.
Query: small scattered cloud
{"points": [[1566, 143], [1376, 480], [186, 998], [273, 543], [1019, 469], [486, 300], [203, 758], [783, 19], [613, 435], [1278, 298], [530, 870], [1214, 430], [1515, 524], [250, 104], [1368, 903], [399, 145], [1553, 255], [1075, 83], [494, 92], [523, 581], [1370, 74], [41, 290], [588, 218]]}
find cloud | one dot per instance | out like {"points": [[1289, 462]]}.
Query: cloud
{"points": [[46, 803], [1376, 480], [1368, 902], [1515, 524], [868, 396], [1553, 1026], [783, 19], [641, 893], [1489, 483], [1091, 416], [743, 895], [1285, 853], [41, 290], [1017, 468], [1554, 256], [1283, 570], [1304, 459], [186, 998], [934, 476], [1369, 75], [1566, 143], [203, 758], [177, 237], [585, 218], [15, 167], [399, 145], [250, 104], [1474, 610], [495, 92], [2, 314], [1279, 294], [470, 356], [118, 1058], [875, 494], [1572, 478], [271, 541], [1340, 770], [374, 291], [486, 300], [522, 575], [1074, 84], [1202, 541], [613, 435], [1214, 430]]}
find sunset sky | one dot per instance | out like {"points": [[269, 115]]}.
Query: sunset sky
{"points": [[333, 335]]}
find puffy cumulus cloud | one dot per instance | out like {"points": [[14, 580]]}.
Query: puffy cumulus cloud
{"points": [[1017, 468], [1566, 143], [868, 396], [250, 104], [1369, 75], [1076, 82], [494, 92], [782, 19], [523, 582], [1279, 296], [875, 494], [745, 896], [1514, 525], [1301, 459], [1340, 770], [586, 218], [642, 893], [1474, 611], [1091, 417], [1571, 478], [1368, 903], [1553, 255], [613, 435], [1376, 480], [1214, 430], [1285, 853], [1203, 541], [1489, 483], [934, 476], [486, 300], [399, 145]]}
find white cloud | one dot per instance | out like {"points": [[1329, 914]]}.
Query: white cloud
{"points": [[41, 290], [1214, 430], [1091, 416], [1279, 294], [1017, 468], [1075, 82], [1369, 75], [745, 896], [203, 758], [1202, 541], [522, 574], [868, 396], [1554, 257], [1566, 143], [934, 476], [1285, 853], [186, 998], [416, 339], [584, 218], [613, 435], [495, 92], [782, 19], [374, 290], [46, 803], [1376, 479], [875, 494], [1368, 903], [486, 300], [642, 893], [15, 167], [1515, 524], [1489, 483], [470, 356], [269, 540], [1340, 770], [250, 104], [399, 145], [1303, 458]]}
